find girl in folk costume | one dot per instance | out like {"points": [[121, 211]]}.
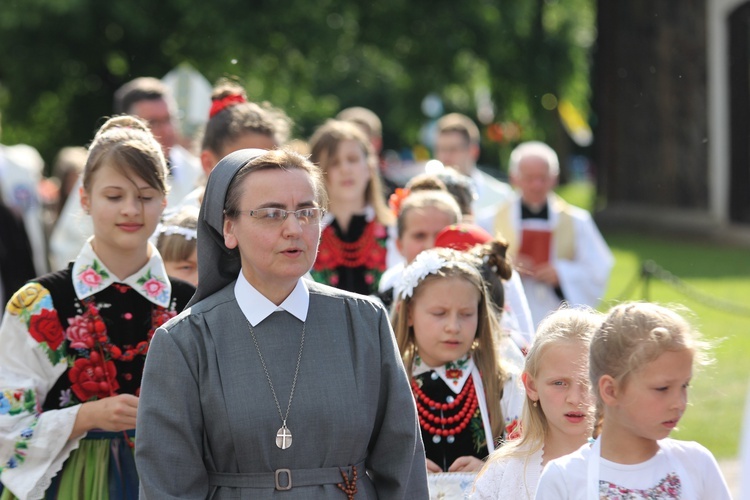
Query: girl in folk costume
{"points": [[640, 366], [557, 413], [73, 343], [446, 330], [352, 253]]}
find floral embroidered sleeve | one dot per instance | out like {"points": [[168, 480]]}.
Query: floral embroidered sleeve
{"points": [[512, 402], [33, 445]]}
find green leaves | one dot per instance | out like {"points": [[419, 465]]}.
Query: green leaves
{"points": [[63, 59]]}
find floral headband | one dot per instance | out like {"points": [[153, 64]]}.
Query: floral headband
{"points": [[425, 264], [189, 234]]}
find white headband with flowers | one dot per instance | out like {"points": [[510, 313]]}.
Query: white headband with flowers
{"points": [[425, 264], [186, 232]]}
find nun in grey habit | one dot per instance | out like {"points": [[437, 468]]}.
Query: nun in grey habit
{"points": [[271, 385]]}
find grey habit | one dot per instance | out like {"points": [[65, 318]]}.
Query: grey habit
{"points": [[207, 420]]}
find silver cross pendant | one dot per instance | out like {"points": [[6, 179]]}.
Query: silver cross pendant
{"points": [[284, 438]]}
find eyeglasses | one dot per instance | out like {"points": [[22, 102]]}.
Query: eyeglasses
{"points": [[278, 215]]}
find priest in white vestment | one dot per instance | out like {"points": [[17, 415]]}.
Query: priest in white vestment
{"points": [[556, 247]]}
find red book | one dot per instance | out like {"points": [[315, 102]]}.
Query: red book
{"points": [[536, 245]]}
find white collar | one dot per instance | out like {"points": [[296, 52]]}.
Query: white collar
{"points": [[91, 276], [256, 307], [454, 374]]}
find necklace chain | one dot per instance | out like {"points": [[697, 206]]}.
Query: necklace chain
{"points": [[268, 377]]}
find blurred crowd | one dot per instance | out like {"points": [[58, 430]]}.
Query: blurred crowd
{"points": [[542, 230]]}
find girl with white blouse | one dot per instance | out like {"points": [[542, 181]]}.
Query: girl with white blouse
{"points": [[558, 411]]}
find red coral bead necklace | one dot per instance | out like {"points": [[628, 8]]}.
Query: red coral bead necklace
{"points": [[430, 411]]}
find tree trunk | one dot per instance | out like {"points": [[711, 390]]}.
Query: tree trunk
{"points": [[650, 103]]}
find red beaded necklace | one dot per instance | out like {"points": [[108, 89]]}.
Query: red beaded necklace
{"points": [[467, 399], [354, 254]]}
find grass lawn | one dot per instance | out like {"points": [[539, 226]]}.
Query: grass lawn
{"points": [[716, 279]]}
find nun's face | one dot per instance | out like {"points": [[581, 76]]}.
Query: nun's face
{"points": [[274, 253]]}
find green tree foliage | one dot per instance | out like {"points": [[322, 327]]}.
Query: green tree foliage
{"points": [[62, 60]]}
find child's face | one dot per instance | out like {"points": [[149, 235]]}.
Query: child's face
{"points": [[653, 399], [347, 173], [421, 226], [186, 270], [444, 314], [562, 389], [124, 211]]}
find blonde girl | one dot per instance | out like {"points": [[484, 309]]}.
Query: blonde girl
{"points": [[557, 413], [640, 367], [177, 242], [73, 343], [352, 253], [446, 331]]}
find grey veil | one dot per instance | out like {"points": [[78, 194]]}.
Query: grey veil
{"points": [[217, 265]]}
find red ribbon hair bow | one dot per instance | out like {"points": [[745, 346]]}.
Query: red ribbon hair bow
{"points": [[220, 104]]}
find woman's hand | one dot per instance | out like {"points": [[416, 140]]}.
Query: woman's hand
{"points": [[432, 466], [112, 414], [466, 464]]}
